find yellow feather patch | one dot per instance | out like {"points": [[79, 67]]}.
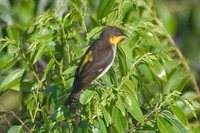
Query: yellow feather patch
{"points": [[88, 58], [116, 39]]}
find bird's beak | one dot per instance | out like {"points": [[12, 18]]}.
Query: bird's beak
{"points": [[116, 39]]}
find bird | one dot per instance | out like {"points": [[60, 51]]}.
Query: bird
{"points": [[96, 61]]}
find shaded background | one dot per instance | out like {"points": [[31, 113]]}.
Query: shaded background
{"points": [[182, 20]]}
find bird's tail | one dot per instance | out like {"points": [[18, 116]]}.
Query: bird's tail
{"points": [[73, 100]]}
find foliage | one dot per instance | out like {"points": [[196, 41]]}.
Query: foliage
{"points": [[143, 88]]}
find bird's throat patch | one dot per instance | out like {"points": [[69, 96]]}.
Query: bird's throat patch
{"points": [[114, 40], [88, 58]]}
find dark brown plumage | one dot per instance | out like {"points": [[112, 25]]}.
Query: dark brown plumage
{"points": [[95, 63]]}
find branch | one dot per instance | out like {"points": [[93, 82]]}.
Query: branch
{"points": [[15, 115]]}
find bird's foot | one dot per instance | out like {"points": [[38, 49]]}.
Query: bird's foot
{"points": [[100, 84]]}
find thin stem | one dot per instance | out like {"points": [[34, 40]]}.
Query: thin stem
{"points": [[132, 67], [15, 115], [145, 118]]}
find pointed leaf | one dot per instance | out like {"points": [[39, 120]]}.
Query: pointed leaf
{"points": [[122, 61], [120, 105], [86, 96], [176, 81], [179, 114], [100, 126], [12, 79], [179, 127], [14, 129], [39, 53], [158, 70], [164, 126], [132, 106], [120, 123], [47, 69], [107, 116], [94, 32], [104, 8], [42, 35], [8, 61], [70, 70]]}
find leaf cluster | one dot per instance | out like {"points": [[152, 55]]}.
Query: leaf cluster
{"points": [[143, 88]]}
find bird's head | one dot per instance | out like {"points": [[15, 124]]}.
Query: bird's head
{"points": [[113, 34]]}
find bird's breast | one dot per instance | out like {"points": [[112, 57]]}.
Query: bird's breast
{"points": [[110, 64]]}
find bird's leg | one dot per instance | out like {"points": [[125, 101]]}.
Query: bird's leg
{"points": [[100, 84]]}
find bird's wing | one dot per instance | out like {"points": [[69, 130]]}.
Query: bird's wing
{"points": [[96, 59]]}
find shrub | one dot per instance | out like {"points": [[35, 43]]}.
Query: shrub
{"points": [[143, 91]]}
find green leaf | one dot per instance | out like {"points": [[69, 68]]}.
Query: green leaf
{"points": [[47, 121], [69, 70], [179, 127], [158, 70], [31, 108], [169, 20], [113, 76], [100, 126], [170, 65], [120, 105], [147, 74], [14, 34], [120, 123], [42, 35], [94, 33], [179, 114], [40, 97], [176, 81], [190, 95], [84, 126], [128, 52], [47, 70], [127, 7], [104, 8], [132, 106], [190, 106], [149, 37], [24, 87], [122, 61], [129, 86], [77, 50], [15, 129], [164, 126], [59, 115], [107, 116], [8, 61], [12, 79], [86, 96], [27, 86], [39, 52]]}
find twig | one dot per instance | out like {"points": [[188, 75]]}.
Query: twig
{"points": [[8, 122], [146, 116], [132, 67], [15, 115]]}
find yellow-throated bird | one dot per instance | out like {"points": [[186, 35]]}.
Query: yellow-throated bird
{"points": [[95, 63]]}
